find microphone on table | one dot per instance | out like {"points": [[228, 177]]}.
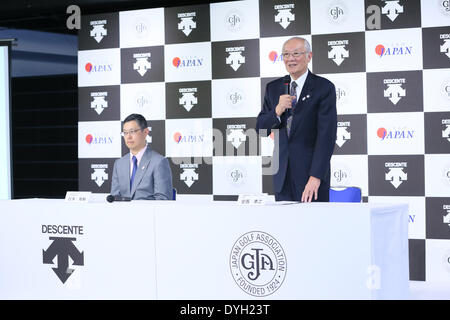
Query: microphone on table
{"points": [[112, 198]]}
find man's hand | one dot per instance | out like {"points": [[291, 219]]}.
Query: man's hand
{"points": [[311, 189], [285, 102]]}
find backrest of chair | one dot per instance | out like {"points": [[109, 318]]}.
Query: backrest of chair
{"points": [[345, 194]]}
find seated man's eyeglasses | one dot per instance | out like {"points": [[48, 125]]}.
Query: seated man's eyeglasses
{"points": [[295, 54], [131, 132]]}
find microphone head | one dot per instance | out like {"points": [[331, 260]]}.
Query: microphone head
{"points": [[287, 82], [110, 198]]}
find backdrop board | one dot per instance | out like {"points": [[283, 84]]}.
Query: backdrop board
{"points": [[198, 74]]}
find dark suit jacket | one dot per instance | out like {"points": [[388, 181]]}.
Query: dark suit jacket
{"points": [[153, 179], [313, 133]]}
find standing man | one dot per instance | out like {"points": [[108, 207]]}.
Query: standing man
{"points": [[306, 121], [142, 174]]}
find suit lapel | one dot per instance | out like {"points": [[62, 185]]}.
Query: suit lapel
{"points": [[303, 101], [124, 171], [141, 169]]}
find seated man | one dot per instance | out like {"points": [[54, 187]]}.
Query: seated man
{"points": [[142, 174]]}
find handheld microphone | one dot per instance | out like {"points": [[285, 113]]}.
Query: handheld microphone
{"points": [[112, 198], [287, 84]]}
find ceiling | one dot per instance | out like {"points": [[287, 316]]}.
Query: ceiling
{"points": [[51, 16]]}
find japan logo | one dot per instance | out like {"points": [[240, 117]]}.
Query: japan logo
{"points": [[284, 15], [392, 9], [394, 91], [189, 176], [235, 58], [187, 24], [142, 64], [338, 53], [342, 135], [446, 130], [445, 47], [396, 176], [99, 103], [236, 135], [188, 99], [98, 30], [99, 176]]}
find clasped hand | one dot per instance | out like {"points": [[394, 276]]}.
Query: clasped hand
{"points": [[285, 102]]}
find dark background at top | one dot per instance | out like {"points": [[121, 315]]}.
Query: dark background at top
{"points": [[51, 16]]}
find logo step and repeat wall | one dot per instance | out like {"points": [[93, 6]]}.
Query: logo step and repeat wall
{"points": [[198, 74]]}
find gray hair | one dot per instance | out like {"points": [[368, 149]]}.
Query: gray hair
{"points": [[306, 43]]}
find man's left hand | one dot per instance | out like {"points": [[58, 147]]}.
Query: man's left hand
{"points": [[311, 189]]}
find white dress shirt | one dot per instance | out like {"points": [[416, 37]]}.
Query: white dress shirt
{"points": [[139, 156]]}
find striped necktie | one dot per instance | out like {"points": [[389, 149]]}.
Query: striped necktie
{"points": [[293, 92]]}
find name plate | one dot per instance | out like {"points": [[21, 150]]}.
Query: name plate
{"points": [[252, 199], [78, 196]]}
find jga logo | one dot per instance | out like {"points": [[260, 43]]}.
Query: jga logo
{"points": [[258, 263]]}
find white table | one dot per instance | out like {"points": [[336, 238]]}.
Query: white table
{"points": [[180, 250]]}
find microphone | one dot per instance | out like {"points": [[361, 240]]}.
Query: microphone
{"points": [[287, 84], [287, 87], [112, 198]]}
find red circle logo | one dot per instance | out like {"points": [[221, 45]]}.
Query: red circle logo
{"points": [[89, 138], [381, 133], [273, 55], [88, 67], [379, 49], [176, 62], [177, 137]]}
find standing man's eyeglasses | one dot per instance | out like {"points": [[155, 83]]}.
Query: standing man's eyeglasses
{"points": [[294, 54], [131, 132]]}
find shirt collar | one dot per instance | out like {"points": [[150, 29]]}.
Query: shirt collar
{"points": [[301, 80], [139, 155]]}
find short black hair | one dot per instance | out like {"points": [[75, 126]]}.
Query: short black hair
{"points": [[142, 123]]}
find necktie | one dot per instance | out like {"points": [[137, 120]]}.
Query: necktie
{"points": [[293, 92], [134, 171]]}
